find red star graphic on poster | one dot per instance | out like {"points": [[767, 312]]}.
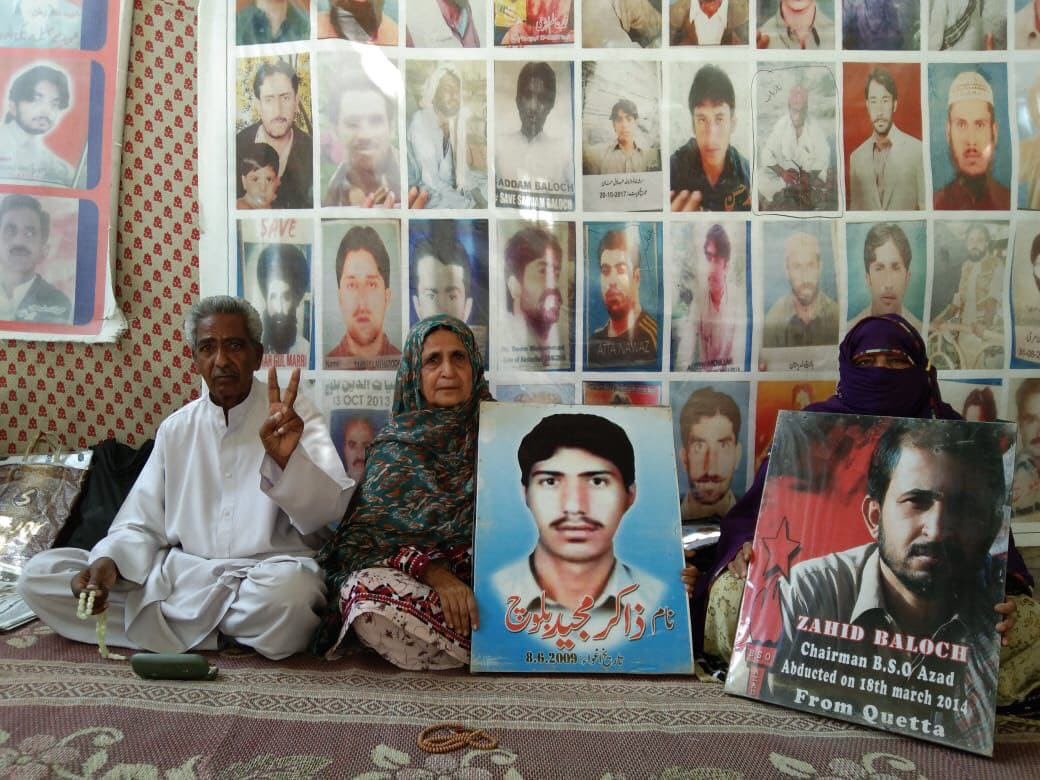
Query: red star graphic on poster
{"points": [[780, 551]]}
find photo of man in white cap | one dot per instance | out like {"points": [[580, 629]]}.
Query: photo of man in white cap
{"points": [[971, 134]]}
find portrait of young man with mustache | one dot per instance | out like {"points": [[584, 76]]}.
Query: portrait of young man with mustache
{"points": [[276, 99], [886, 171], [630, 338], [578, 477], [26, 296], [37, 99], [364, 293], [709, 429]]}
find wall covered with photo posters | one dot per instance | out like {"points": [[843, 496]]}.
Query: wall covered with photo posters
{"points": [[86, 393], [638, 202]]}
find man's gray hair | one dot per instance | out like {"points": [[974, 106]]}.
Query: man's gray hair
{"points": [[222, 304]]}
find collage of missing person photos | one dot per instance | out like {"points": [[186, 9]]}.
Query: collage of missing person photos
{"points": [[60, 77], [552, 172]]}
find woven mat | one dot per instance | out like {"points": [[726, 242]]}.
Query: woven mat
{"points": [[66, 712]]}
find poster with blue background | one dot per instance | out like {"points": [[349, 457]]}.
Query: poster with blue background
{"points": [[577, 544]]}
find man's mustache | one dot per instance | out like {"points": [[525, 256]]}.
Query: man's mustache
{"points": [[929, 549], [582, 519], [710, 479], [551, 295]]}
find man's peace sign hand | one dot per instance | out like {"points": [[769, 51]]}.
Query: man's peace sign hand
{"points": [[282, 429]]}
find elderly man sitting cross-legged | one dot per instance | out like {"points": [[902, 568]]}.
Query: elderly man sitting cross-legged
{"points": [[217, 536]]}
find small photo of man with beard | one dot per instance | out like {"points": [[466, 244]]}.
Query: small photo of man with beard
{"points": [[46, 122], [624, 308], [970, 136], [800, 295], [536, 322], [275, 276], [966, 328]]}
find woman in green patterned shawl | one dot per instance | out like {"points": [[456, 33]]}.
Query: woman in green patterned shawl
{"points": [[398, 567]]}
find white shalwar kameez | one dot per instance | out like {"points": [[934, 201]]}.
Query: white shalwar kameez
{"points": [[213, 537]]}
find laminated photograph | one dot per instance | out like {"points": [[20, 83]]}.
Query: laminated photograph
{"points": [[975, 399], [967, 317], [357, 125], [884, 156], [711, 297], [797, 127], [534, 148], [970, 137], [882, 273], [624, 24], [39, 237], [48, 121], [708, 22], [536, 324], [360, 21], [958, 26], [1027, 87], [1026, 24], [541, 393], [624, 308], [446, 25], [274, 274], [773, 397], [357, 409], [886, 25], [621, 136], [871, 590], [800, 296], [361, 323], [795, 24], [710, 137], [710, 427], [271, 21], [534, 22], [50, 24], [448, 272], [274, 133], [577, 548], [1025, 487], [1025, 296], [447, 132]]}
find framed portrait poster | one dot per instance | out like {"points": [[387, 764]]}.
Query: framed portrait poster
{"points": [[871, 588], [577, 548]]}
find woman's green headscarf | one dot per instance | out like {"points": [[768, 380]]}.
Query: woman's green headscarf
{"points": [[420, 473]]}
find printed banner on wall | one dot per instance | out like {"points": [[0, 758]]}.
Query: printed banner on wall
{"points": [[852, 609], [62, 69], [577, 548]]}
